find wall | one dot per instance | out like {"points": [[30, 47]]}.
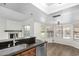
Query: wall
{"points": [[10, 17], [32, 22], [2, 28], [70, 15], [13, 25], [37, 17], [6, 24], [65, 17]]}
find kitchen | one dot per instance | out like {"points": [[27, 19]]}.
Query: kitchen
{"points": [[28, 30], [16, 35]]}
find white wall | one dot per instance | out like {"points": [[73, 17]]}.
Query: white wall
{"points": [[2, 28], [37, 30], [13, 25], [37, 16], [66, 17], [70, 15], [10, 23], [6, 24]]}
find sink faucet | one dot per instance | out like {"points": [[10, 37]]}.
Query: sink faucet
{"points": [[14, 40], [8, 45]]}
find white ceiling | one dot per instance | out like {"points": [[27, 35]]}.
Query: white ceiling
{"points": [[10, 14], [49, 4], [22, 11], [19, 7], [49, 8], [19, 11]]}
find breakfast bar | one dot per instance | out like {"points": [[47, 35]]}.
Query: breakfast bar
{"points": [[38, 48]]}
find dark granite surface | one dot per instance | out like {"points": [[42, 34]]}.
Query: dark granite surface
{"points": [[29, 46], [4, 45]]}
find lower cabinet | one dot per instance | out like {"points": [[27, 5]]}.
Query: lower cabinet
{"points": [[30, 52]]}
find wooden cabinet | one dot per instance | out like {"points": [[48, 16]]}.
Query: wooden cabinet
{"points": [[31, 52]]}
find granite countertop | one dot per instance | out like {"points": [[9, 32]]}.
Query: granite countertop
{"points": [[5, 40], [13, 53]]}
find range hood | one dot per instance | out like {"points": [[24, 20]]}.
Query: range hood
{"points": [[13, 30], [56, 16]]}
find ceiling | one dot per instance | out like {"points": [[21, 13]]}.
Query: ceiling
{"points": [[19, 11], [10, 14], [22, 11], [49, 4], [48, 8], [19, 7]]}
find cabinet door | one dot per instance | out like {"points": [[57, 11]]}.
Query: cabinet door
{"points": [[50, 33], [31, 52], [67, 31], [58, 32]]}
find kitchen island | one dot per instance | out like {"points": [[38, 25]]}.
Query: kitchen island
{"points": [[36, 49]]}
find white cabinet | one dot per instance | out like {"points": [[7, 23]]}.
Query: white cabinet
{"points": [[58, 30], [50, 33], [39, 31], [68, 31], [43, 32]]}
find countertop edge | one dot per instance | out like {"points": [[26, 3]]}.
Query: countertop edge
{"points": [[20, 51]]}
